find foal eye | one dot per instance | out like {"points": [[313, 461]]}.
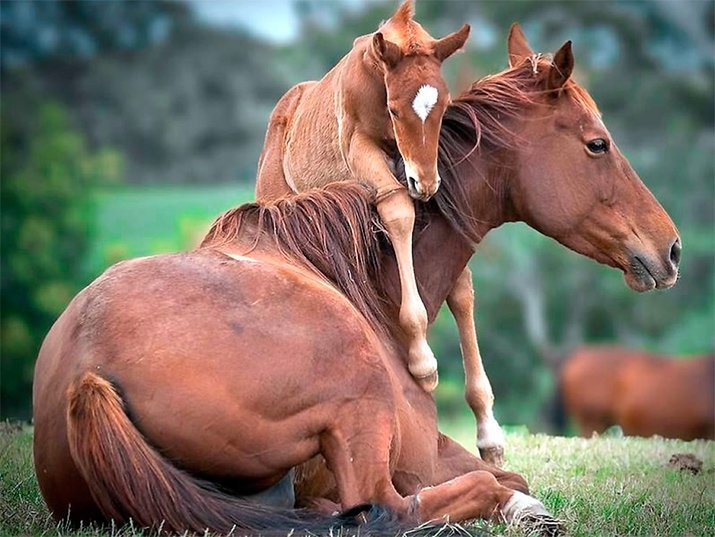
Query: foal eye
{"points": [[394, 112], [597, 146]]}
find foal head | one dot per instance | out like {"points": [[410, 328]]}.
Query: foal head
{"points": [[416, 93], [574, 184]]}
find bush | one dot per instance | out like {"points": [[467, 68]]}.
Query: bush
{"points": [[48, 175]]}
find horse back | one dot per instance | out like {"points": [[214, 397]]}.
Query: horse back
{"points": [[219, 363]]}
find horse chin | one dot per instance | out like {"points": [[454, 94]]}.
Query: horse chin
{"points": [[643, 276], [638, 282]]}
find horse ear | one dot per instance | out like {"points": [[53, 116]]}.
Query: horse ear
{"points": [[451, 43], [517, 46], [386, 50], [561, 67]]}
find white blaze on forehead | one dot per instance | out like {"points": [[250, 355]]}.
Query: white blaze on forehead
{"points": [[424, 101]]}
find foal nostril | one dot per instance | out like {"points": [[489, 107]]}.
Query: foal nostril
{"points": [[414, 185], [675, 252]]}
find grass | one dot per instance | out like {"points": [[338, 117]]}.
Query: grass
{"points": [[599, 486]]}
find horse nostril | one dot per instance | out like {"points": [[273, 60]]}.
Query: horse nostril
{"points": [[675, 252], [413, 185]]}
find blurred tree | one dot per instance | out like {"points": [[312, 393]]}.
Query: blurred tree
{"points": [[65, 31], [184, 102], [48, 176]]}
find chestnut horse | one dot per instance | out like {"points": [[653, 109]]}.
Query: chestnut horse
{"points": [[276, 344], [386, 94], [644, 393]]}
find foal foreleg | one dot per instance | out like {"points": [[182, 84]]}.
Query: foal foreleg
{"points": [[397, 212], [478, 390]]}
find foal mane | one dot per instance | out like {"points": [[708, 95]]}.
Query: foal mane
{"points": [[477, 123], [334, 232]]}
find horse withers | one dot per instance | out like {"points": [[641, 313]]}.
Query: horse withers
{"points": [[385, 96], [644, 393]]}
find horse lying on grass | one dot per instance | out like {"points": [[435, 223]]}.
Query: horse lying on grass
{"points": [[175, 384], [644, 393]]}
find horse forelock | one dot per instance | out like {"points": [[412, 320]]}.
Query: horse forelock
{"points": [[405, 12], [334, 232], [407, 33]]}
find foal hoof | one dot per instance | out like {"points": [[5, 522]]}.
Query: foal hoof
{"points": [[428, 383], [423, 367], [493, 455]]}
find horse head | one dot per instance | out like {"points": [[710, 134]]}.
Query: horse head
{"points": [[417, 95], [574, 185]]}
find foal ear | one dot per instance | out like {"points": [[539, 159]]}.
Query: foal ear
{"points": [[517, 45], [451, 43], [561, 67], [386, 50]]}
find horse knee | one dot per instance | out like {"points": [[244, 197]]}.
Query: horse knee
{"points": [[397, 213]]}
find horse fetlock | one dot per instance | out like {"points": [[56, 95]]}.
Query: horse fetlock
{"points": [[413, 319]]}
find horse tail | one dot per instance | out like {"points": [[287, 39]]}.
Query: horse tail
{"points": [[130, 480]]}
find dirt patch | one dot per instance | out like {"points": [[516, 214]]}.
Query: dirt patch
{"points": [[685, 462]]}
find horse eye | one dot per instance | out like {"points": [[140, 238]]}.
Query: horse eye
{"points": [[597, 146], [394, 112]]}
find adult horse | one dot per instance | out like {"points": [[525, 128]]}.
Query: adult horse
{"points": [[386, 94], [644, 393], [274, 343]]}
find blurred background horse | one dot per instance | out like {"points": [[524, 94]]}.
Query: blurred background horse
{"points": [[644, 393]]}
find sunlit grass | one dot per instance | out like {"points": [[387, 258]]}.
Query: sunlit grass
{"points": [[599, 486], [612, 485]]}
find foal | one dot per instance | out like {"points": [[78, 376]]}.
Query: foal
{"points": [[385, 96]]}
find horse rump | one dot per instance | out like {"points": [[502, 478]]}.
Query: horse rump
{"points": [[130, 480]]}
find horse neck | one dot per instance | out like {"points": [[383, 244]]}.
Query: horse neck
{"points": [[440, 251]]}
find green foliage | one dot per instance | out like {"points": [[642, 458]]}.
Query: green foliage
{"points": [[47, 219]]}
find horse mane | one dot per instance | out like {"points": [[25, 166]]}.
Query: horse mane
{"points": [[476, 122], [335, 232]]}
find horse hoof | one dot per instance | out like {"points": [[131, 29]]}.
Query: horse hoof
{"points": [[493, 455], [429, 383], [530, 514], [543, 524]]}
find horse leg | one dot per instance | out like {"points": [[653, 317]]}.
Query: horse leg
{"points": [[397, 212], [358, 454], [478, 390], [453, 460]]}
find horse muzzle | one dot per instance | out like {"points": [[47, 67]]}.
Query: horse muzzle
{"points": [[646, 272], [418, 188]]}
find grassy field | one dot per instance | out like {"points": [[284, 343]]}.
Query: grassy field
{"points": [[600, 486], [133, 222]]}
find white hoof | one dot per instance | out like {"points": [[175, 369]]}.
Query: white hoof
{"points": [[529, 513]]}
